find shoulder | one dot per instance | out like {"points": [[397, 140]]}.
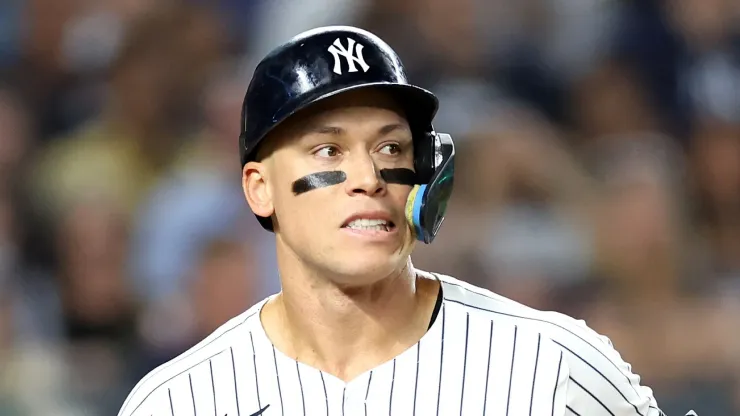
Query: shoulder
{"points": [[216, 343], [597, 372], [569, 334], [561, 328], [479, 301]]}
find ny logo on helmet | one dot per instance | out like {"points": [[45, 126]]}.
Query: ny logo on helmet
{"points": [[353, 54]]}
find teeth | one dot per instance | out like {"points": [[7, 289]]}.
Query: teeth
{"points": [[366, 224]]}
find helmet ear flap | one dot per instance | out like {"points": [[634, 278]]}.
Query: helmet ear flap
{"points": [[427, 203], [424, 152]]}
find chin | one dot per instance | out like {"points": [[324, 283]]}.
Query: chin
{"points": [[365, 270]]}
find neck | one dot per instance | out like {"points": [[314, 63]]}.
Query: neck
{"points": [[346, 332]]}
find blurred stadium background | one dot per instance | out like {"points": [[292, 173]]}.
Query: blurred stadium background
{"points": [[599, 176]]}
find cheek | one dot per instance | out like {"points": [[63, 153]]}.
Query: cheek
{"points": [[305, 211], [399, 194]]}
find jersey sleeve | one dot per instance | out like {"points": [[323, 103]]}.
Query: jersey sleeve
{"points": [[602, 383]]}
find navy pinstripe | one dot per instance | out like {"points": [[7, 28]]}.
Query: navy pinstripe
{"points": [[511, 372], [534, 376], [592, 395], [236, 389], [465, 360]]}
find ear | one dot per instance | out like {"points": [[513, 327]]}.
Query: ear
{"points": [[256, 190]]}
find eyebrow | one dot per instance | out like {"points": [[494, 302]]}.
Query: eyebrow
{"points": [[337, 131]]}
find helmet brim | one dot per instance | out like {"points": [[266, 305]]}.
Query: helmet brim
{"points": [[418, 104]]}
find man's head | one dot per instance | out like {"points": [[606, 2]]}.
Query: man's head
{"points": [[336, 227], [333, 133]]}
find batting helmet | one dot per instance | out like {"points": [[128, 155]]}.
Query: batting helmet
{"points": [[324, 62]]}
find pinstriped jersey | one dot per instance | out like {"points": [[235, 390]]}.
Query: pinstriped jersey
{"points": [[600, 383], [483, 355]]}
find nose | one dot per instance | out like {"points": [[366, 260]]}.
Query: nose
{"points": [[363, 176]]}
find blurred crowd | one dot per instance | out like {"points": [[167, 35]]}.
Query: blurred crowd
{"points": [[598, 175]]}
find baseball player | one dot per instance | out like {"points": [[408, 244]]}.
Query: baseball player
{"points": [[341, 162]]}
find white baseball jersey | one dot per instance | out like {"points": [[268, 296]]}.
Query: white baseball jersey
{"points": [[483, 355]]}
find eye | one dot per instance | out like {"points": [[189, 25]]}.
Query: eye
{"points": [[391, 149], [327, 152]]}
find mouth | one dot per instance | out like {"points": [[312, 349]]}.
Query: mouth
{"points": [[372, 223]]}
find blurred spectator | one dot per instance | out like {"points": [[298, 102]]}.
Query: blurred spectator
{"points": [[443, 49], [10, 33], [98, 315], [17, 138], [610, 102], [96, 299], [120, 155], [716, 157], [538, 48], [39, 70], [539, 243], [646, 304], [710, 77], [7, 266], [521, 215], [223, 285], [7, 402], [201, 200], [686, 52], [15, 146], [23, 283], [240, 19]]}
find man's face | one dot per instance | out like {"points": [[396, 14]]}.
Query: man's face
{"points": [[332, 229]]}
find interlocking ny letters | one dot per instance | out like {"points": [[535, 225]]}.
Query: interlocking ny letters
{"points": [[352, 53]]}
